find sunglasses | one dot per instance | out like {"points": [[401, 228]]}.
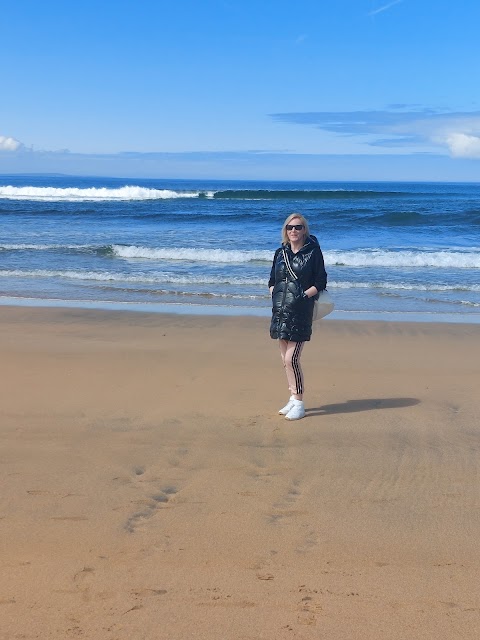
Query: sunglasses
{"points": [[297, 227]]}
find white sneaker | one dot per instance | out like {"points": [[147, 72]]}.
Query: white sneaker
{"points": [[297, 411], [284, 410]]}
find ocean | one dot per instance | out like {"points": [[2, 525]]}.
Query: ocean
{"points": [[392, 250]]}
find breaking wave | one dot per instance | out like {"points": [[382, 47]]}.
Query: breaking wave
{"points": [[404, 258], [73, 194], [135, 192], [401, 258], [188, 254]]}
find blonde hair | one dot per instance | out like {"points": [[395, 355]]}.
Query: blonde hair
{"points": [[288, 220]]}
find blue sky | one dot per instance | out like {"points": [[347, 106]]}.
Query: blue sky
{"points": [[311, 89]]}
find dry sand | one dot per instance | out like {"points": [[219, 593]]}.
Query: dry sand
{"points": [[149, 490]]}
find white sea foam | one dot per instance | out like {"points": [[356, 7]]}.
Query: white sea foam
{"points": [[192, 279], [404, 258], [402, 286], [354, 258], [72, 194], [101, 276], [360, 258], [42, 247], [194, 255]]}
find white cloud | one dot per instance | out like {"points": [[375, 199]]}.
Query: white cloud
{"points": [[9, 144], [463, 145]]}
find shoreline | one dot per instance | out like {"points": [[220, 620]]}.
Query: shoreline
{"points": [[235, 311]]}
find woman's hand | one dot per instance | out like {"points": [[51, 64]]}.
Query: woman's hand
{"points": [[310, 292]]}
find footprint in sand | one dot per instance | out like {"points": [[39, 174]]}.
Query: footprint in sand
{"points": [[309, 606], [265, 576], [153, 504], [143, 593], [84, 573], [309, 542]]}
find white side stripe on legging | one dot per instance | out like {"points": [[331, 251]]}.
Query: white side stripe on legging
{"points": [[297, 371]]}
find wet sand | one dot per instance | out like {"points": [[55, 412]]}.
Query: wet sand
{"points": [[150, 490]]}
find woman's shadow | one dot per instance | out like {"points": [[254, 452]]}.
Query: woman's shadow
{"points": [[366, 404]]}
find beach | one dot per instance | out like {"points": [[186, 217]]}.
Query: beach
{"points": [[150, 490]]}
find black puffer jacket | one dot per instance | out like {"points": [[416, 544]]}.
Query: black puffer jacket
{"points": [[291, 313]]}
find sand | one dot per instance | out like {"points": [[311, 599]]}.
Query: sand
{"points": [[149, 490]]}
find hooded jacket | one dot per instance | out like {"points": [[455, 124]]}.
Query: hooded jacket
{"points": [[291, 312]]}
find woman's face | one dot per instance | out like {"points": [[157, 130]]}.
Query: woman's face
{"points": [[295, 235]]}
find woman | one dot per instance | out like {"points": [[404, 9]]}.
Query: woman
{"points": [[293, 301]]}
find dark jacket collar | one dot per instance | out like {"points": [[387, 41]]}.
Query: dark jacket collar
{"points": [[309, 242]]}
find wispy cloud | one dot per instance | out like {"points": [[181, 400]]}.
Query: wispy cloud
{"points": [[9, 144], [458, 132], [384, 7]]}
